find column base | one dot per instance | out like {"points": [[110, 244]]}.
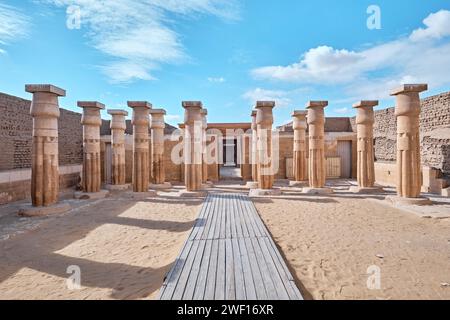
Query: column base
{"points": [[362, 190], [142, 195], [161, 186], [421, 201], [207, 184], [298, 184], [192, 194], [117, 187], [91, 195], [30, 211], [252, 185], [446, 192], [309, 190], [264, 192]]}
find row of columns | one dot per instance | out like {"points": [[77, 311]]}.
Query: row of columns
{"points": [[407, 112]]}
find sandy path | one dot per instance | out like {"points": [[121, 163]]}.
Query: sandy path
{"points": [[124, 249], [329, 244]]}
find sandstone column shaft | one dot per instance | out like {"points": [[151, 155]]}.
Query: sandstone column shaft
{"points": [[407, 111], [45, 162], [264, 121], [300, 163], [254, 147], [118, 127], [91, 121], [317, 164], [141, 153], [204, 114], [157, 126], [364, 122], [193, 145]]}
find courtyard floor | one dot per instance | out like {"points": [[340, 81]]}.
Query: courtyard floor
{"points": [[124, 247]]}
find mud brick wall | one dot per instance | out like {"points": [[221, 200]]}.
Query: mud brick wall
{"points": [[16, 134]]}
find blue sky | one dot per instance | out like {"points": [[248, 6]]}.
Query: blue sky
{"points": [[227, 54]]}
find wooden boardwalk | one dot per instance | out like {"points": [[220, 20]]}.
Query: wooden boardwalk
{"points": [[229, 255]]}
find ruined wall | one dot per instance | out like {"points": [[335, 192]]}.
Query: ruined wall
{"points": [[16, 131], [435, 115]]}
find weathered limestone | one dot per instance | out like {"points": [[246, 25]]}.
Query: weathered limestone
{"points": [[407, 111], [118, 171], [254, 152], [141, 154], [264, 122], [205, 177], [91, 121], [193, 148], [157, 126], [300, 163], [317, 169], [366, 168], [45, 162]]}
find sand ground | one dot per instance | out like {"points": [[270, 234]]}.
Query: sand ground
{"points": [[123, 248], [330, 242]]}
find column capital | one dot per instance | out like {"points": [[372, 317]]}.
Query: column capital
{"points": [[117, 112], [139, 104], [157, 112], [316, 104], [365, 104], [409, 88], [90, 104], [192, 104], [299, 113], [47, 88], [265, 104]]}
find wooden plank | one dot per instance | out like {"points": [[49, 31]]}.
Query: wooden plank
{"points": [[249, 283], [245, 223], [256, 273], [195, 271], [283, 271], [220, 278], [209, 233], [265, 273], [184, 275], [212, 272], [228, 212], [233, 227], [203, 272], [249, 218], [281, 288], [230, 266], [238, 271], [172, 278], [201, 219], [223, 217]]}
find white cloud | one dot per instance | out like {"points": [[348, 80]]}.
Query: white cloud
{"points": [[343, 110], [216, 80], [173, 117], [139, 35], [13, 25], [279, 96], [371, 72], [438, 26]]}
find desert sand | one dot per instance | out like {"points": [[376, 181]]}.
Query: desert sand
{"points": [[123, 248], [330, 242]]}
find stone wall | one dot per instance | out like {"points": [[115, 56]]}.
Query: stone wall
{"points": [[16, 131]]}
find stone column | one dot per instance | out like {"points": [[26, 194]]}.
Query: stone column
{"points": [[300, 163], [409, 168], [193, 148], [365, 162], [118, 168], [205, 178], [264, 122], [141, 153], [44, 162], [317, 164], [157, 126], [91, 121], [254, 152]]}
